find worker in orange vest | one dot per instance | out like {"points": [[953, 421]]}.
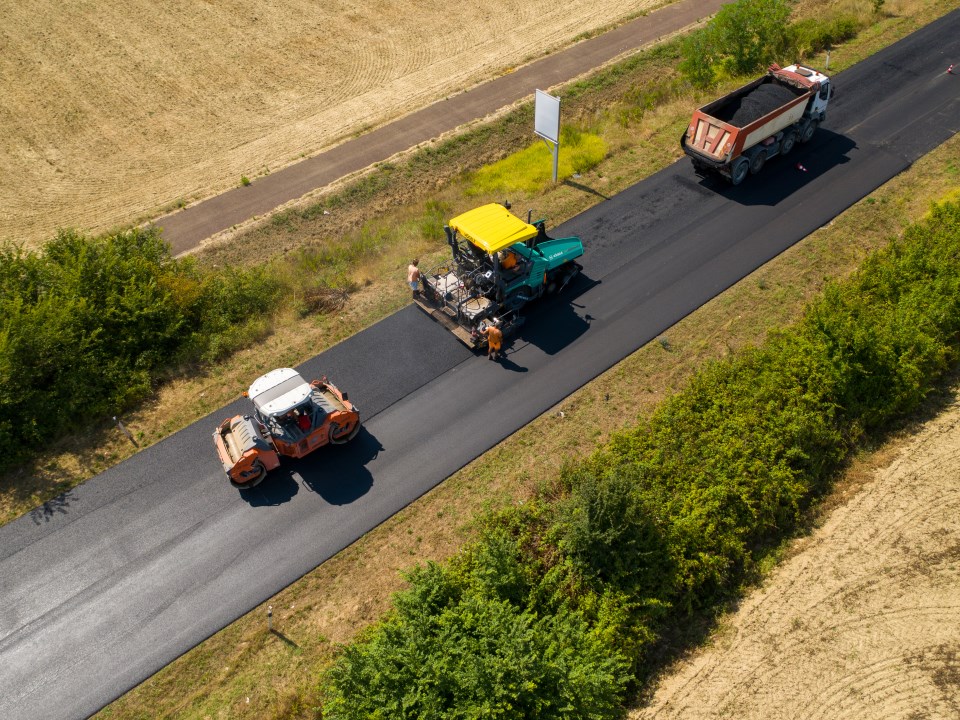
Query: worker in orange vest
{"points": [[494, 341]]}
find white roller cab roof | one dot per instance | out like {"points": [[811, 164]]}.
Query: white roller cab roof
{"points": [[279, 391]]}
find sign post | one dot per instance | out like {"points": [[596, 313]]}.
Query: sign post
{"points": [[546, 124]]}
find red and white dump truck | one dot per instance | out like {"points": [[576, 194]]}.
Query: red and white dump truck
{"points": [[736, 135]]}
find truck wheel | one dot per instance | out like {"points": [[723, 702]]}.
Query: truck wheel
{"points": [[559, 280], [809, 130], [739, 171], [788, 142], [757, 162]]}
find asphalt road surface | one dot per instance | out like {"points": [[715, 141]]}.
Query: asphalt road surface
{"points": [[126, 572]]}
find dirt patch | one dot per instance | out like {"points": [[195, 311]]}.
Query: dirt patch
{"points": [[862, 621], [115, 110]]}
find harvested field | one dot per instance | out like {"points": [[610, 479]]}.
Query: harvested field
{"points": [[115, 111], [862, 621]]}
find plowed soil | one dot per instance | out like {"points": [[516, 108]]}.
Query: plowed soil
{"points": [[863, 622], [114, 110]]}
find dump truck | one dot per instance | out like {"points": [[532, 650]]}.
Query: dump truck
{"points": [[291, 418], [499, 264], [736, 135]]}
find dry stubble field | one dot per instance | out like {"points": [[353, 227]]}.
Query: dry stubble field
{"points": [[862, 622], [114, 110]]}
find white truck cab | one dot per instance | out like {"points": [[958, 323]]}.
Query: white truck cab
{"points": [[819, 105]]}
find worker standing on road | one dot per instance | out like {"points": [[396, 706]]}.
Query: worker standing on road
{"points": [[494, 341], [413, 276]]}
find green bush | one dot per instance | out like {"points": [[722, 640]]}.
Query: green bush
{"points": [[742, 38], [454, 648], [746, 36], [814, 35], [612, 532], [729, 461], [88, 324]]}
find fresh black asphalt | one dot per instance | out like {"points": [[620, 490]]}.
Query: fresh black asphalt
{"points": [[136, 566]]}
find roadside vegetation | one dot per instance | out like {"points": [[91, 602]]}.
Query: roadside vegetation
{"points": [[90, 325], [530, 171], [550, 551]]}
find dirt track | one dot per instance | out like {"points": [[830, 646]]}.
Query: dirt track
{"points": [[114, 110], [863, 622]]}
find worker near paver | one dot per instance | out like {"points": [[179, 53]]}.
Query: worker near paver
{"points": [[508, 260], [494, 341], [413, 276]]}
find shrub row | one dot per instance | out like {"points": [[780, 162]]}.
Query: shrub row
{"points": [[745, 36], [88, 324], [551, 613]]}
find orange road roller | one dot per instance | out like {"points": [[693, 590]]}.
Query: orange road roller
{"points": [[291, 418]]}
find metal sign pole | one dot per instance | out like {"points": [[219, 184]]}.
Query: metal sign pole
{"points": [[555, 152], [546, 124]]}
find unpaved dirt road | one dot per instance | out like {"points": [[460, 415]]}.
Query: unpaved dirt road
{"points": [[114, 110], [863, 622]]}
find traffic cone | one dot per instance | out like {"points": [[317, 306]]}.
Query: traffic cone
{"points": [[950, 70], [801, 168]]}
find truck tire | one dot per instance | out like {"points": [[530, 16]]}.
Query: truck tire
{"points": [[739, 170], [809, 130], [788, 142], [757, 162]]}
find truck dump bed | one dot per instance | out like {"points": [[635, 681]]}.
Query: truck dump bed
{"points": [[721, 130], [741, 110]]}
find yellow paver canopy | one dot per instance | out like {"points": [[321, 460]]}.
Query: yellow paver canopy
{"points": [[492, 227]]}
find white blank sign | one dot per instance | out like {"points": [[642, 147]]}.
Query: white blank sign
{"points": [[546, 117]]}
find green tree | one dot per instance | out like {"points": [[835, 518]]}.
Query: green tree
{"points": [[88, 324], [742, 38], [699, 56], [453, 651]]}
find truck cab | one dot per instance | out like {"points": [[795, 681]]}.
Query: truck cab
{"points": [[818, 105]]}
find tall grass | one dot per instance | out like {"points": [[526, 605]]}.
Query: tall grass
{"points": [[530, 170]]}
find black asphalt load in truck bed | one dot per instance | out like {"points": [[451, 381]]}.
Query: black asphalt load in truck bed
{"points": [[755, 104]]}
